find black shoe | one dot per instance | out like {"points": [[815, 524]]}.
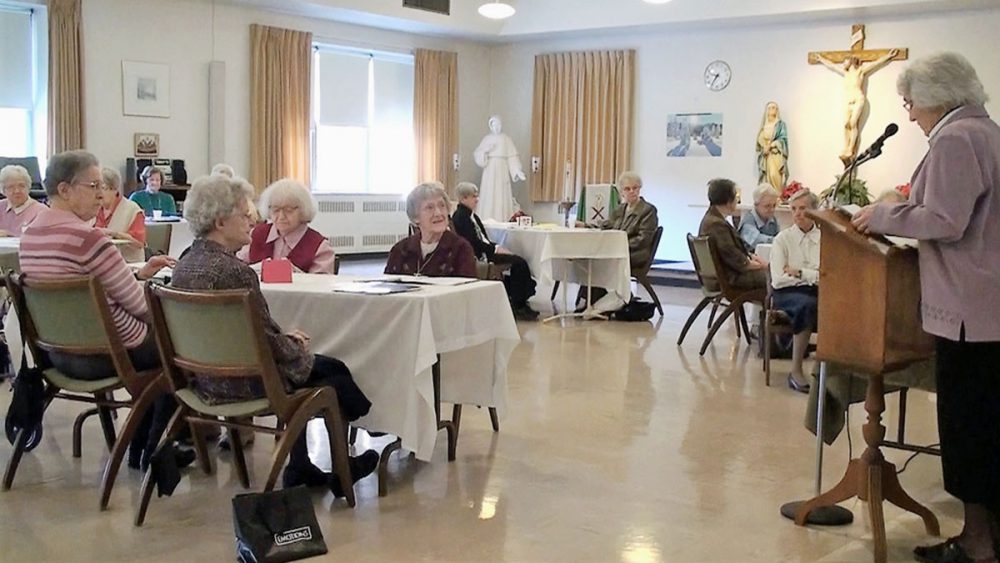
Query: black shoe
{"points": [[948, 552], [525, 313], [361, 467], [183, 457], [308, 475], [794, 385]]}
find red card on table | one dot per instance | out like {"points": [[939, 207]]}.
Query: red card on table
{"points": [[276, 271]]}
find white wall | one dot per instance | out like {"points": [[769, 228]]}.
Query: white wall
{"points": [[769, 63], [186, 35]]}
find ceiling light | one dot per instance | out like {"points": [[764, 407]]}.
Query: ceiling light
{"points": [[496, 10]]}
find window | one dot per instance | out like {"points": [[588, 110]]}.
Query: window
{"points": [[23, 81], [362, 133]]}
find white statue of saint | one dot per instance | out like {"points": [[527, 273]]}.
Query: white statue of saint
{"points": [[497, 156]]}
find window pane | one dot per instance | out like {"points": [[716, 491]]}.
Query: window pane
{"points": [[341, 159], [343, 89], [393, 160], [15, 59], [15, 124]]}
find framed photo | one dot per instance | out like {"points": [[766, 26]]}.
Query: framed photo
{"points": [[147, 145], [694, 134], [145, 89]]}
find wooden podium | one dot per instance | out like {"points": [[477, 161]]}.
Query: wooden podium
{"points": [[869, 320]]}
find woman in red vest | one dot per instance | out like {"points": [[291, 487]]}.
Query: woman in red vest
{"points": [[289, 207]]}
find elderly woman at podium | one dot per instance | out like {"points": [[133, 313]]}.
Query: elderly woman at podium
{"points": [[953, 211], [744, 270], [795, 276]]}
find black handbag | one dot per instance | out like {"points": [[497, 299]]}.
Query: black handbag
{"points": [[276, 526], [635, 310], [27, 405]]}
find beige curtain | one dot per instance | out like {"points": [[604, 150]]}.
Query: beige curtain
{"points": [[280, 87], [582, 119], [65, 115], [435, 115]]}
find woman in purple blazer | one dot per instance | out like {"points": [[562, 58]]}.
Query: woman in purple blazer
{"points": [[954, 211]]}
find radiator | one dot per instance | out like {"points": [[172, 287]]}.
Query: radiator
{"points": [[359, 223]]}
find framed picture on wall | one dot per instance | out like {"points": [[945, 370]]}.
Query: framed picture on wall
{"points": [[145, 89], [147, 145]]}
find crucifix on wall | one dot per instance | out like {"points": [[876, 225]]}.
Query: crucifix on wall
{"points": [[855, 66]]}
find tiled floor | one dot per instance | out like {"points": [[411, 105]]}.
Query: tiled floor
{"points": [[620, 446]]}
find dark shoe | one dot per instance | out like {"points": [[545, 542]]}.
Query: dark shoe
{"points": [[134, 458], [361, 467], [948, 552], [796, 386], [184, 457], [308, 475], [525, 313]]}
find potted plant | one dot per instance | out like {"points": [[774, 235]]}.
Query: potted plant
{"points": [[853, 192]]}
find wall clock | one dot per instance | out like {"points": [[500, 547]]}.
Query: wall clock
{"points": [[717, 75]]}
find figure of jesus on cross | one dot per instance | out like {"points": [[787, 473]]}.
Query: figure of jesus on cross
{"points": [[855, 66]]}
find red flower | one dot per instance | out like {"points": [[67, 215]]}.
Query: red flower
{"points": [[904, 189], [791, 189], [518, 213]]}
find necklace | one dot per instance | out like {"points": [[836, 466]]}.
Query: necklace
{"points": [[422, 263]]}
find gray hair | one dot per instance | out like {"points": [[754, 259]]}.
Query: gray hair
{"points": [[942, 81], [211, 198], [223, 169], [112, 178], [148, 172], [288, 190], [65, 167], [764, 190], [422, 193], [13, 172], [629, 176], [465, 189], [805, 193]]}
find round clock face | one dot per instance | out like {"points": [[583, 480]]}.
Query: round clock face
{"points": [[717, 75]]}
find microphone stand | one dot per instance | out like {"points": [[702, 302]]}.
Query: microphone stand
{"points": [[851, 170]]}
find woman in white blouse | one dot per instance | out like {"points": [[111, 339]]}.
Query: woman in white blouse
{"points": [[794, 277]]}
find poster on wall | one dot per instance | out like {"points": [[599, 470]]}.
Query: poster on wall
{"points": [[145, 89], [694, 134]]}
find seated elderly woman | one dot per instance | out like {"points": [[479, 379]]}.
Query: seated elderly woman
{"points": [[433, 250], [520, 286], [151, 198], [121, 218], [290, 207], [60, 243], [216, 207], [795, 276], [18, 209], [743, 270], [759, 225]]}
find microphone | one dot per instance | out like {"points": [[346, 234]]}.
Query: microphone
{"points": [[876, 148]]}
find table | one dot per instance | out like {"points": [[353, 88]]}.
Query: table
{"points": [[565, 254], [391, 342]]}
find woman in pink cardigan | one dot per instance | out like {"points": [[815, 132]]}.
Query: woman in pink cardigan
{"points": [[954, 211]]}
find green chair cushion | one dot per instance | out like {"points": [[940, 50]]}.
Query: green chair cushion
{"points": [[240, 409], [63, 381]]}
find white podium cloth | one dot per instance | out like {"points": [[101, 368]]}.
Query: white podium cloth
{"points": [[564, 254], [390, 342]]}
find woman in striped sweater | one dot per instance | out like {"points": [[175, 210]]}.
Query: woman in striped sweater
{"points": [[60, 243]]}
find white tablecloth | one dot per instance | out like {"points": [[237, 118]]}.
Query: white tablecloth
{"points": [[390, 342], [563, 254]]}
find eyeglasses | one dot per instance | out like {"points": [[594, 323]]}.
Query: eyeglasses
{"points": [[907, 104], [287, 210], [92, 185]]}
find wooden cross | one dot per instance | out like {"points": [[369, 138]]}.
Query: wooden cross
{"points": [[857, 50]]}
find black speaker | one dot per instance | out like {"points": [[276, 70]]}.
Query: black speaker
{"points": [[178, 173], [130, 170]]}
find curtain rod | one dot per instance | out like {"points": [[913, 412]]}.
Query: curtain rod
{"points": [[327, 43]]}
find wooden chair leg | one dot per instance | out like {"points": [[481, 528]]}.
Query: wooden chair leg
{"points": [[107, 423], [652, 294], [456, 415], [352, 435], [743, 322], [239, 456], [201, 448], [338, 450], [293, 428], [15, 458], [691, 318], [132, 423], [715, 328], [78, 431], [767, 352], [494, 420], [555, 290], [146, 491], [901, 431], [715, 309], [383, 466]]}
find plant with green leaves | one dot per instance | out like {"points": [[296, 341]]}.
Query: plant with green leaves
{"points": [[854, 191]]}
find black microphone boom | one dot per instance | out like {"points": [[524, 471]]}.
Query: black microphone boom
{"points": [[876, 148]]}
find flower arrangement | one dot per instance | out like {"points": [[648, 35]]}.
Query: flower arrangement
{"points": [[791, 189], [904, 190], [855, 191], [516, 215]]}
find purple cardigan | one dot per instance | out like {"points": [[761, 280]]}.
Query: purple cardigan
{"points": [[954, 211]]}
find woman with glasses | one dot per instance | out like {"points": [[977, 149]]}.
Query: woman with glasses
{"points": [[120, 218], [289, 207], [18, 210]]}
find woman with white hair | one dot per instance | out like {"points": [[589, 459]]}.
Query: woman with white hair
{"points": [[520, 286], [121, 218], [289, 207], [18, 209], [216, 207], [433, 250], [953, 211], [224, 170], [759, 226]]}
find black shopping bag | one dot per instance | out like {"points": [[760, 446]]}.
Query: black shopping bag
{"points": [[276, 526], [28, 403]]}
